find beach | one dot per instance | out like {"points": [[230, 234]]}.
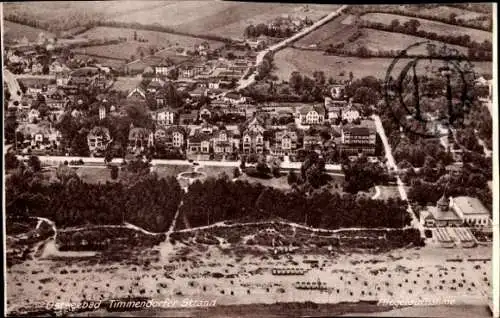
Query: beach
{"points": [[211, 277]]}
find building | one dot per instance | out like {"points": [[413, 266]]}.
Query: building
{"points": [[225, 141], [337, 91], [163, 69], [139, 139], [286, 143], [356, 139], [311, 115], [137, 93], [98, 139], [471, 211], [171, 137], [199, 143], [334, 109], [164, 117], [440, 215], [350, 114], [234, 98]]}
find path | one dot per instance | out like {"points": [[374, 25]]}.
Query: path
{"points": [[391, 164], [377, 193], [243, 83]]}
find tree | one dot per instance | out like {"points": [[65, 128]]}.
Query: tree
{"points": [[135, 35], [236, 172], [319, 77], [65, 173], [292, 177], [34, 163], [108, 157], [11, 161], [295, 82], [114, 172]]}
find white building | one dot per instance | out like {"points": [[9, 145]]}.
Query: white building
{"points": [[350, 114], [164, 116], [471, 211]]}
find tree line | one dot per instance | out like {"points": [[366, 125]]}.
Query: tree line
{"points": [[149, 202], [476, 23], [217, 200]]}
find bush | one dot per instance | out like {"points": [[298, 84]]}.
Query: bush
{"points": [[253, 172], [11, 161], [236, 172]]}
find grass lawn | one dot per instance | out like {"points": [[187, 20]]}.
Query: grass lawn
{"points": [[279, 183], [94, 175], [431, 26], [172, 170], [387, 192], [13, 31], [306, 62], [215, 171]]}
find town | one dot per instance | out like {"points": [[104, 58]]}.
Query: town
{"points": [[173, 149]]}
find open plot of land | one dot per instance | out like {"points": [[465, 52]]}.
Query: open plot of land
{"points": [[15, 31], [159, 39], [215, 171], [113, 63], [334, 32], [126, 84], [227, 19], [306, 62], [377, 40], [431, 26], [171, 170], [445, 11], [279, 183]]}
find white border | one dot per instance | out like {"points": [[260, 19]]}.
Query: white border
{"points": [[496, 207]]}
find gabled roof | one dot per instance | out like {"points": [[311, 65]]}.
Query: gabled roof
{"points": [[308, 108]]}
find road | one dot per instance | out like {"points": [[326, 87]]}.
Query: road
{"points": [[55, 160], [13, 86], [39, 76], [276, 47], [391, 164]]}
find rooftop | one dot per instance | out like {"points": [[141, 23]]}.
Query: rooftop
{"points": [[470, 205]]}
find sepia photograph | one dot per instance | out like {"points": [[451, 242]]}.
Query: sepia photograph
{"points": [[208, 158]]}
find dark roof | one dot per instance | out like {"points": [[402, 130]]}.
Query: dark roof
{"points": [[360, 131]]}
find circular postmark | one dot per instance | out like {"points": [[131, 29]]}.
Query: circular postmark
{"points": [[431, 90]]}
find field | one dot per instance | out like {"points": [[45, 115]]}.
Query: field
{"points": [[159, 39], [431, 26], [215, 171], [306, 62], [336, 31], [15, 31], [377, 40], [227, 19]]}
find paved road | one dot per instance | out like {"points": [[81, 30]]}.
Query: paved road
{"points": [[40, 76], [51, 160], [276, 47], [391, 164], [13, 86]]}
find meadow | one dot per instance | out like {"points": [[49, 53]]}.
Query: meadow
{"points": [[431, 26], [336, 31], [226, 19], [306, 62], [15, 31]]}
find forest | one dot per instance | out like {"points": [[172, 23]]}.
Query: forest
{"points": [[217, 200]]}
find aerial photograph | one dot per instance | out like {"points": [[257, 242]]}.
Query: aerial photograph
{"points": [[207, 158]]}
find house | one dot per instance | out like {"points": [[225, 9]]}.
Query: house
{"points": [[140, 138], [286, 143], [33, 115], [37, 68], [312, 141], [41, 137], [351, 114], [234, 98], [137, 92], [471, 211], [98, 139], [155, 85], [311, 115], [214, 84], [440, 215], [163, 69], [334, 109], [225, 141], [164, 116], [358, 139], [172, 137], [199, 143]]}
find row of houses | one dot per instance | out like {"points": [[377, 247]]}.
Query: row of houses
{"points": [[254, 136]]}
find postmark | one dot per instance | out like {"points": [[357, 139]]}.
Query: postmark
{"points": [[429, 93]]}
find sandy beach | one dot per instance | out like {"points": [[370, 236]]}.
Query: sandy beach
{"points": [[198, 276]]}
